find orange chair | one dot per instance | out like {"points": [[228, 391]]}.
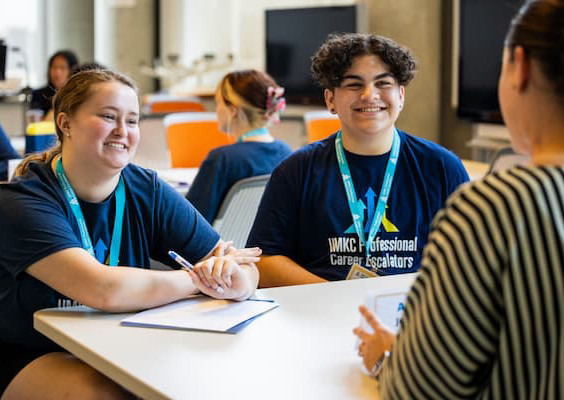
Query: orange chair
{"points": [[166, 104], [191, 136], [320, 124]]}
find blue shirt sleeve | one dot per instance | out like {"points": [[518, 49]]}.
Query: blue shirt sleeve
{"points": [[180, 227], [33, 228], [7, 152], [275, 229], [209, 187]]}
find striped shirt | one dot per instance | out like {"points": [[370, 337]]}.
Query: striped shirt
{"points": [[484, 317]]}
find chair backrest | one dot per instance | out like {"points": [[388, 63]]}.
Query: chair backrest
{"points": [[505, 159], [239, 208], [191, 136], [166, 104], [320, 124], [152, 150]]}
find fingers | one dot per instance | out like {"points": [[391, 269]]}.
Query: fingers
{"points": [[246, 252], [204, 288], [369, 317], [361, 334], [223, 248]]}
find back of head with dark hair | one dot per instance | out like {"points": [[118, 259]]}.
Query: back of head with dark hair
{"points": [[539, 28], [68, 55], [336, 54]]}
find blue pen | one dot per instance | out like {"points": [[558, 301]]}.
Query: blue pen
{"points": [[185, 265]]}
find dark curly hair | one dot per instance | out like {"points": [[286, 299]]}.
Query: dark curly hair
{"points": [[336, 54]]}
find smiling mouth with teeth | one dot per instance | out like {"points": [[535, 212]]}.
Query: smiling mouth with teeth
{"points": [[116, 146], [371, 109]]}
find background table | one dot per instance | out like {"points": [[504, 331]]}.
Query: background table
{"points": [[302, 350]]}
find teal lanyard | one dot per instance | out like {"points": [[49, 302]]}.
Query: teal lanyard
{"points": [[72, 200], [356, 206], [254, 132]]}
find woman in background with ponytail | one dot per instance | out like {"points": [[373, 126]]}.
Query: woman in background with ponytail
{"points": [[247, 102]]}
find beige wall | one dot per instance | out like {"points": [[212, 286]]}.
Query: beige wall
{"points": [[417, 25]]}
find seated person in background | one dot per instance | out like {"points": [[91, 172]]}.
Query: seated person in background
{"points": [[484, 317], [7, 152], [59, 69], [246, 102], [75, 210], [364, 196]]}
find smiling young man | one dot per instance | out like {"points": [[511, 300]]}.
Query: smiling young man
{"points": [[361, 201]]}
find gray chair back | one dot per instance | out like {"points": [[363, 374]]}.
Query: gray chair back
{"points": [[506, 158], [237, 212]]}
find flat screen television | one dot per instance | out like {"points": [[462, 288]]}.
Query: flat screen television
{"points": [[483, 26], [3, 51], [293, 36]]}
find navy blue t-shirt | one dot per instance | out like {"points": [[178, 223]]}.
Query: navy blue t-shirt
{"points": [[37, 221], [228, 164], [304, 213], [7, 152]]}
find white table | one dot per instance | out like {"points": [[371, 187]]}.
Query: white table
{"points": [[178, 178], [476, 169], [302, 350]]}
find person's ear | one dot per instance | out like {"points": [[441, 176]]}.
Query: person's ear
{"points": [[521, 69], [329, 100], [63, 122], [401, 96]]}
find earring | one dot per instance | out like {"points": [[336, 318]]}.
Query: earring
{"points": [[332, 110]]}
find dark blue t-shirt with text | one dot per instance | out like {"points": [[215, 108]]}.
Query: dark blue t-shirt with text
{"points": [[37, 221], [304, 213]]}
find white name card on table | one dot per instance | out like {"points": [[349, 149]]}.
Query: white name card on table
{"points": [[387, 300], [202, 313]]}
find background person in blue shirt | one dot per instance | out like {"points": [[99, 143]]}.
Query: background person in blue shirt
{"points": [[246, 103], [305, 223], [7, 152], [80, 206]]}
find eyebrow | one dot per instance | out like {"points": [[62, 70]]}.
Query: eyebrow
{"points": [[359, 78], [117, 110]]}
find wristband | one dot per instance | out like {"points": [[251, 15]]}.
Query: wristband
{"points": [[377, 368]]}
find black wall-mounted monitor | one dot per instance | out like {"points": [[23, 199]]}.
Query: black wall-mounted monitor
{"points": [[483, 26], [292, 37], [3, 51]]}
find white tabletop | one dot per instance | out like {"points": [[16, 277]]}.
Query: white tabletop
{"points": [[304, 349], [178, 178]]}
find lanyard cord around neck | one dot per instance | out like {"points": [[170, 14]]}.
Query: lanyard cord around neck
{"points": [[254, 132], [72, 200], [356, 206]]}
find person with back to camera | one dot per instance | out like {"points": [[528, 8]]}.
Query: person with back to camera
{"points": [[325, 213], [247, 102], [59, 68], [78, 211], [484, 317]]}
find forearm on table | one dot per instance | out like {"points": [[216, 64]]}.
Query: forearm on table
{"points": [[282, 271]]}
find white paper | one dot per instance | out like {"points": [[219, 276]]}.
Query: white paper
{"points": [[201, 313]]}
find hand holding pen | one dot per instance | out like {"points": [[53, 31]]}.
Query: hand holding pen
{"points": [[218, 276]]}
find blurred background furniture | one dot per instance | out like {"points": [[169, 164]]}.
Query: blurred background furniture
{"points": [[190, 137], [320, 124]]}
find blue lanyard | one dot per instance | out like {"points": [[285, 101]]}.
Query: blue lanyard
{"points": [[72, 200], [254, 132], [356, 206]]}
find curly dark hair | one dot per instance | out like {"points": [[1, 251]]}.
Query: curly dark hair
{"points": [[336, 54]]}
